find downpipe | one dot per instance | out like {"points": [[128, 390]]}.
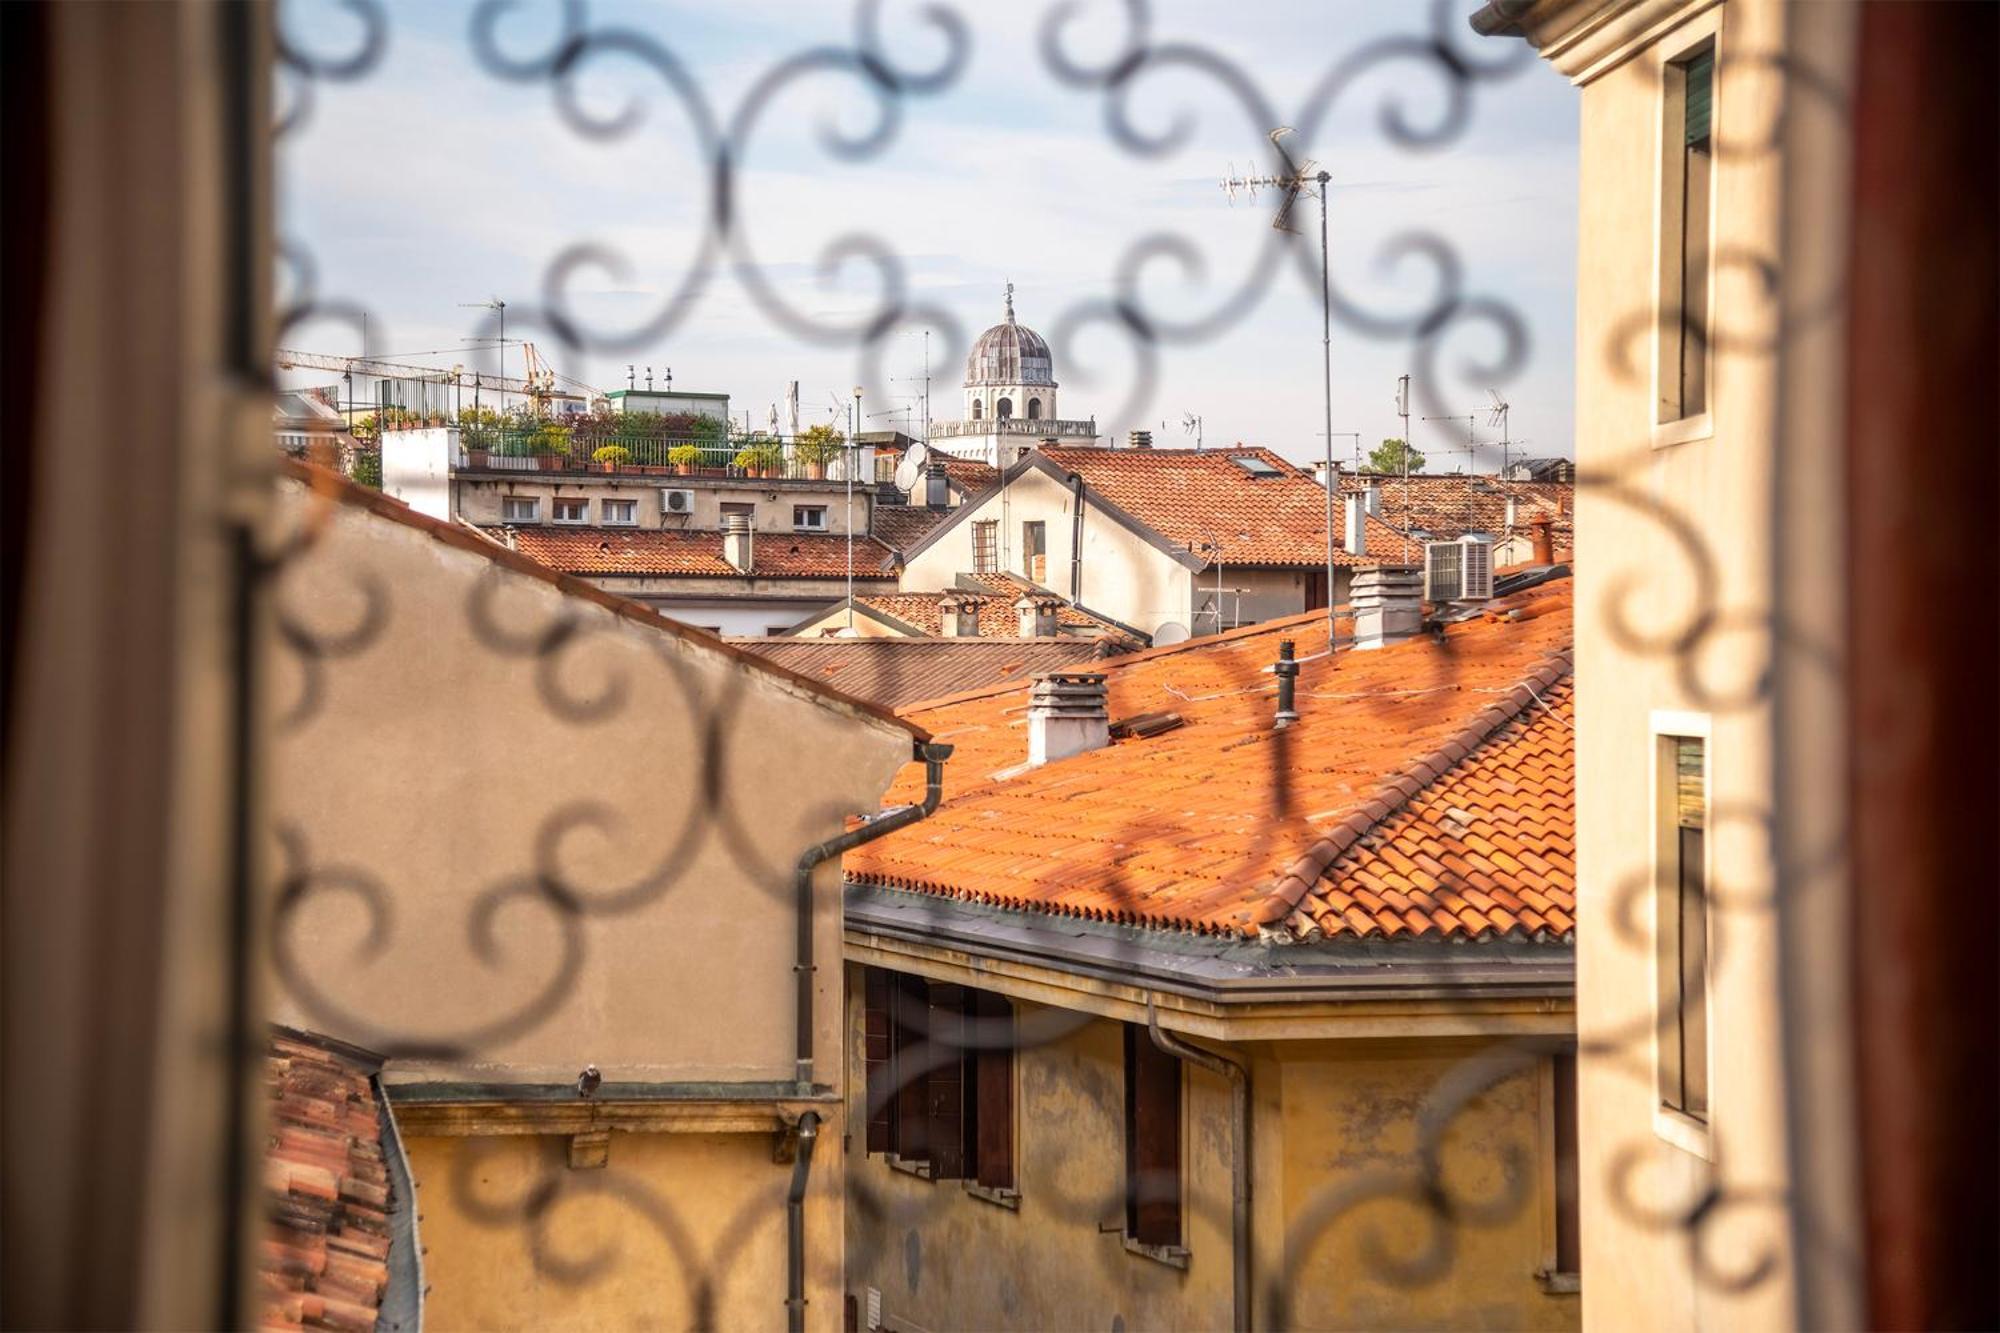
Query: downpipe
{"points": [[1076, 539], [795, 1224], [1239, 1149], [885, 823]]}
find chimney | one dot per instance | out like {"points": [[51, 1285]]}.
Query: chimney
{"points": [[1067, 714], [1287, 672], [958, 616], [1037, 616], [1388, 604], [736, 539], [937, 486], [1374, 499], [1357, 523], [1541, 530], [1139, 439], [1513, 515]]}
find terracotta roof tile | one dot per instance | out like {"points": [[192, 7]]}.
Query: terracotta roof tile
{"points": [[1225, 825], [1453, 505], [598, 552], [1192, 497], [894, 673], [997, 617], [898, 526]]}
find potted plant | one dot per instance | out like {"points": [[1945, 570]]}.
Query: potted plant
{"points": [[816, 447], [750, 459], [684, 457], [611, 457]]}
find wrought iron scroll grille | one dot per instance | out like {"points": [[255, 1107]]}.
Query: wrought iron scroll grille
{"points": [[1451, 70]]}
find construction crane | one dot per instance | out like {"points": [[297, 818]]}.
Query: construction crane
{"points": [[542, 385]]}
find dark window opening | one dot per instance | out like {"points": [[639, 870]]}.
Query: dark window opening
{"points": [[1683, 921], [1035, 550], [1034, 409], [939, 1064], [986, 547], [1004, 409], [1686, 248], [1569, 1233], [978, 409], [1152, 1141]]}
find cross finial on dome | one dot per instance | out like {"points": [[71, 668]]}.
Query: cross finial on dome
{"points": [[1010, 303]]}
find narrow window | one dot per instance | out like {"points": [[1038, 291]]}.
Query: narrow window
{"points": [[1004, 409], [1034, 409], [986, 547], [990, 1099], [910, 1002], [1569, 1235], [568, 510], [1152, 1141], [978, 409], [878, 1053], [520, 509], [1035, 550], [1686, 246], [1682, 917], [620, 513], [809, 518]]}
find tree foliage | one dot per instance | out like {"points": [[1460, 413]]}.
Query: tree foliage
{"points": [[1392, 454]]}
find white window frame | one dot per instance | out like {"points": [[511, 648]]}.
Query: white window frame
{"points": [[534, 503], [1705, 30], [824, 518], [631, 519], [1670, 1125], [556, 508]]}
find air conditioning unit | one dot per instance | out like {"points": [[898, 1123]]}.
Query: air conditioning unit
{"points": [[1459, 571], [677, 502]]}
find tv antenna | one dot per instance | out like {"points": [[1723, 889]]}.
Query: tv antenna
{"points": [[1470, 419], [1191, 425], [1497, 416], [493, 303]]}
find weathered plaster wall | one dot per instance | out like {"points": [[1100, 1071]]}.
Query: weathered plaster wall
{"points": [[478, 497], [672, 1220], [1719, 483]]}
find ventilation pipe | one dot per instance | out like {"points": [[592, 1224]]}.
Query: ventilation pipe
{"points": [[1374, 494], [1067, 714], [937, 486], [1388, 604], [1076, 540], [736, 542], [1139, 439], [1238, 1076], [1287, 672], [1357, 524], [1541, 531]]}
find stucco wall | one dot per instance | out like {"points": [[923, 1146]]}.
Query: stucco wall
{"points": [[1251, 594], [1638, 1275], [478, 498], [1327, 1116], [672, 1220], [1124, 576]]}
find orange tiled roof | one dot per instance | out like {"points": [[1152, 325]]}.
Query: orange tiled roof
{"points": [[897, 671], [898, 526], [1195, 496], [692, 554], [1451, 506], [325, 1257], [997, 617], [1427, 784]]}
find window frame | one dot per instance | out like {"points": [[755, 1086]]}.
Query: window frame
{"points": [[899, 1011], [1034, 543], [582, 502], [1690, 1132], [534, 503], [1146, 1065], [986, 546], [1701, 36], [604, 512], [825, 519], [1562, 1234]]}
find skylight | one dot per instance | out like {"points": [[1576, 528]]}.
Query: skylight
{"points": [[1255, 466]]}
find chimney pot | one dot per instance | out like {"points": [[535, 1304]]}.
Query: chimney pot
{"points": [[958, 616], [1357, 524], [1068, 714], [1388, 604], [1374, 494], [1287, 672], [1037, 616], [736, 542], [937, 486], [1541, 531]]}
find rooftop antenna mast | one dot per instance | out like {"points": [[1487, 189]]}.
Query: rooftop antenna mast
{"points": [[1470, 419], [493, 303], [1191, 424], [1497, 416], [1294, 178]]}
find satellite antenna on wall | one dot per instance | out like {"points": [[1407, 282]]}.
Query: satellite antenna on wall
{"points": [[1171, 632], [910, 471]]}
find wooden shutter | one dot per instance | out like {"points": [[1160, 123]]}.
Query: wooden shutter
{"points": [[945, 1083], [1152, 1141], [1700, 75], [992, 1095], [878, 1057], [912, 1143], [1569, 1234]]}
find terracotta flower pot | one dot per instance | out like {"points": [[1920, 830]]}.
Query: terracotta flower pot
{"points": [[816, 471], [684, 469]]}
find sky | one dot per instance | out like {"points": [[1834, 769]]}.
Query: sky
{"points": [[431, 181]]}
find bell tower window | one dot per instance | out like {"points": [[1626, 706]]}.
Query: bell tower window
{"points": [[978, 409], [1004, 409], [1034, 409]]}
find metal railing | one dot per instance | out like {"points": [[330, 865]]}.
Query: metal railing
{"points": [[552, 447]]}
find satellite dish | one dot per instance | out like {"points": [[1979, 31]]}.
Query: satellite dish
{"points": [[917, 454], [908, 473], [1171, 632]]}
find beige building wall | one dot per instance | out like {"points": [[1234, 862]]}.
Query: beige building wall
{"points": [[443, 765], [1328, 1117], [1674, 525], [478, 499], [1125, 577]]}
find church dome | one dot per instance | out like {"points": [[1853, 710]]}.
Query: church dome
{"points": [[1009, 353]]}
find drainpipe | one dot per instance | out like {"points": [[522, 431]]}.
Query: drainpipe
{"points": [[889, 821], [1076, 540], [795, 1224], [1239, 1147], [885, 823]]}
